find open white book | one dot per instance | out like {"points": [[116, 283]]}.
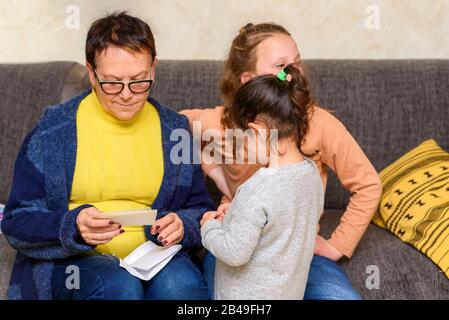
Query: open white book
{"points": [[148, 259]]}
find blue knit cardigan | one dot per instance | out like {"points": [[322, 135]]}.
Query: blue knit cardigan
{"points": [[37, 221]]}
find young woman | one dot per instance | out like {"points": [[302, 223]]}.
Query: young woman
{"points": [[254, 241], [266, 49]]}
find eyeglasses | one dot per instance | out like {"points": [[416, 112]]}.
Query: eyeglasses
{"points": [[116, 87]]}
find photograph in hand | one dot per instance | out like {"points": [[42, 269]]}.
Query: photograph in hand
{"points": [[132, 217]]}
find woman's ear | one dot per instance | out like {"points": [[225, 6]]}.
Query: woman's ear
{"points": [[90, 71], [246, 76], [153, 68]]}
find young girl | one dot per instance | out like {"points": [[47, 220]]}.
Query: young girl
{"points": [[266, 233], [266, 49]]}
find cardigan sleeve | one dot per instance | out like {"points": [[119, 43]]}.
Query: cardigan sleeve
{"points": [[29, 225], [197, 202], [190, 212]]}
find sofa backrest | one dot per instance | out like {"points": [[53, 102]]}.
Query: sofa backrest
{"points": [[26, 89], [389, 106]]}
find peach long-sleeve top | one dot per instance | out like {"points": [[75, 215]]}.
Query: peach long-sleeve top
{"points": [[334, 148]]}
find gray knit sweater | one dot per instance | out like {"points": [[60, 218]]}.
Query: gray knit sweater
{"points": [[265, 244]]}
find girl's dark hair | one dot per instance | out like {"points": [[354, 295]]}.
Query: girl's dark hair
{"points": [[283, 105], [121, 30]]}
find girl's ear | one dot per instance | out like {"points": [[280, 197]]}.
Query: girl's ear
{"points": [[259, 126], [255, 126], [246, 76]]}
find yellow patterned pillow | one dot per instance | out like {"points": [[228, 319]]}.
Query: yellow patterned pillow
{"points": [[415, 201]]}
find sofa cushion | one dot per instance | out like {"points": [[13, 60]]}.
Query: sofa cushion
{"points": [[404, 273], [414, 204]]}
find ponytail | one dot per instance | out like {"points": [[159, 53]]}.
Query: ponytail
{"points": [[301, 98]]}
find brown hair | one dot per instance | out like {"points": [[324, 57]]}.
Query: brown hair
{"points": [[284, 105], [121, 30], [242, 55]]}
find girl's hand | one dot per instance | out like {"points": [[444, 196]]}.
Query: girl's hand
{"points": [[217, 176], [208, 216], [325, 249], [95, 230], [170, 229], [223, 208]]}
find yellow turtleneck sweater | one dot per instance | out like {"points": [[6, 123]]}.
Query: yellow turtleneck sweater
{"points": [[119, 166]]}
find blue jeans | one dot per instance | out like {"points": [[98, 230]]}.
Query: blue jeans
{"points": [[326, 280], [102, 278]]}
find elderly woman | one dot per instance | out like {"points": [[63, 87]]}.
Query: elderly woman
{"points": [[107, 149]]}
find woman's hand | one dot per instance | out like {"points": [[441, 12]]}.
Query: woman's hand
{"points": [[95, 230], [325, 249], [170, 229], [210, 215]]}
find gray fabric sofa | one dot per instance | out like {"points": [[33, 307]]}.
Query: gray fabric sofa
{"points": [[388, 106]]}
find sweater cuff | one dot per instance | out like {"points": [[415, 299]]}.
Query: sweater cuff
{"points": [[347, 252], [210, 225], [69, 234]]}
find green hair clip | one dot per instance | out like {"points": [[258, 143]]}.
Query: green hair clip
{"points": [[282, 75]]}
